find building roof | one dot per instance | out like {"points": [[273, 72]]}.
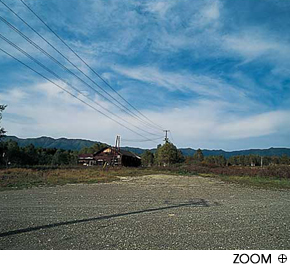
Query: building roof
{"points": [[86, 156], [128, 153], [119, 151]]}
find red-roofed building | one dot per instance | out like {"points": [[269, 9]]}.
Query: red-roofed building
{"points": [[111, 156]]}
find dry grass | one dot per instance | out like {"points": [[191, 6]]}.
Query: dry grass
{"points": [[19, 178], [278, 171], [277, 177], [260, 182]]}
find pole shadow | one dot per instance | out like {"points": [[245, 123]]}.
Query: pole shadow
{"points": [[199, 203]]}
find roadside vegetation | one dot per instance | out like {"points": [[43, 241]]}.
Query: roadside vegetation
{"points": [[273, 176], [24, 167], [20, 178], [277, 177]]}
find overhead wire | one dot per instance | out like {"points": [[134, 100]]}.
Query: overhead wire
{"points": [[61, 65], [132, 114], [67, 91], [64, 81], [140, 141], [171, 136], [80, 58]]}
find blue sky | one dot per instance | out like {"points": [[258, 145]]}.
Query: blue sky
{"points": [[216, 73]]}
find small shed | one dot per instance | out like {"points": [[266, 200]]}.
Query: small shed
{"points": [[116, 157]]}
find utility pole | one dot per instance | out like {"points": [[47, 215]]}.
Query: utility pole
{"points": [[114, 161], [166, 140], [118, 142], [261, 161]]}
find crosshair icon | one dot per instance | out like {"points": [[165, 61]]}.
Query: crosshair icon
{"points": [[282, 258]]}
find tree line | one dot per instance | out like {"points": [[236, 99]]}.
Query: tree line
{"points": [[11, 154], [168, 154], [14, 155]]}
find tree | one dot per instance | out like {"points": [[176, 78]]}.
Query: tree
{"points": [[217, 160], [221, 161], [13, 153], [2, 131], [147, 159], [45, 155], [30, 155], [275, 160], [168, 154], [61, 157], [198, 156], [284, 160], [93, 149]]}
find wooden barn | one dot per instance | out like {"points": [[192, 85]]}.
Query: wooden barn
{"points": [[110, 156], [117, 157]]}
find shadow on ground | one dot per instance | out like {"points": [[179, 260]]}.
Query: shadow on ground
{"points": [[198, 203]]}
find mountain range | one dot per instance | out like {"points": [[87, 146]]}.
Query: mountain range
{"points": [[78, 144], [48, 142]]}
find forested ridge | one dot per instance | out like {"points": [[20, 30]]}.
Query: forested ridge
{"points": [[79, 144]]}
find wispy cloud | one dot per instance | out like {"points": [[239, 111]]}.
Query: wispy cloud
{"points": [[16, 94], [201, 122], [185, 82], [159, 7], [253, 43], [215, 76]]}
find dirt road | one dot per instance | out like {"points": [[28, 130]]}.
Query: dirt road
{"points": [[152, 212]]}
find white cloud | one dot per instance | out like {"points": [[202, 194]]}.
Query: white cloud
{"points": [[255, 125], [159, 7], [253, 43], [212, 12], [16, 94], [208, 16], [182, 81], [52, 112], [210, 122], [203, 121]]}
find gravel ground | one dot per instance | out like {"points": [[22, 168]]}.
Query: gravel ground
{"points": [[150, 212]]}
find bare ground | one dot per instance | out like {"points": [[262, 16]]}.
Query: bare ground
{"points": [[148, 212]]}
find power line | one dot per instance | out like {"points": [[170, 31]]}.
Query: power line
{"points": [[52, 58], [58, 77], [171, 136], [89, 66], [89, 105], [141, 141], [64, 67]]}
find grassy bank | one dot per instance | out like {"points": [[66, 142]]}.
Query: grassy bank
{"points": [[19, 178], [260, 182], [277, 177]]}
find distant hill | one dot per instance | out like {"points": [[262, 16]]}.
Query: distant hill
{"points": [[78, 144], [137, 151], [263, 152], [189, 152], [48, 142]]}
